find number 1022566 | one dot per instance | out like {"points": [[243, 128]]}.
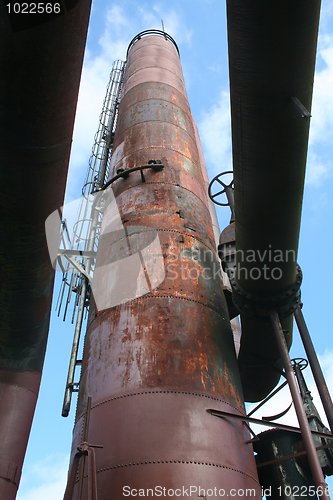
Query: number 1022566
{"points": [[33, 8]]}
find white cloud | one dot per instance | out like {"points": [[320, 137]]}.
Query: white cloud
{"points": [[174, 25], [326, 361], [215, 68], [215, 133], [321, 129], [317, 169], [322, 107], [116, 35], [112, 45], [215, 128], [45, 480], [117, 19]]}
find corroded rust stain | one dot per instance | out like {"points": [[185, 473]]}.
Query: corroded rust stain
{"points": [[180, 349]]}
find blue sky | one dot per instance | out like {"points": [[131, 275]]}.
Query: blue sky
{"points": [[199, 28]]}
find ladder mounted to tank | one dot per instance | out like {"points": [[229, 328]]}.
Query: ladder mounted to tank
{"points": [[77, 257]]}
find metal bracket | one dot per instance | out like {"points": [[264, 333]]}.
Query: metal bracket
{"points": [[301, 108], [10, 471], [75, 264], [155, 165], [85, 449], [251, 420]]}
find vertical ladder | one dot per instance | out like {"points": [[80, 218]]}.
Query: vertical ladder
{"points": [[80, 252]]}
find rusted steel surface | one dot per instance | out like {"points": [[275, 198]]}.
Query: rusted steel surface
{"points": [[153, 365], [165, 437], [18, 395], [211, 205], [281, 463], [41, 67]]}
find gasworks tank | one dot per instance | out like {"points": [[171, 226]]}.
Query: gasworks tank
{"points": [[157, 360]]}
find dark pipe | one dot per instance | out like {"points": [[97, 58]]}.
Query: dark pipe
{"points": [[41, 60], [272, 49]]}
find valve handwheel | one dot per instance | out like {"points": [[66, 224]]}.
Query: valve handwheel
{"points": [[217, 181], [302, 363]]}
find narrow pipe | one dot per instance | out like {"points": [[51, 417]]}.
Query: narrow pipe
{"points": [[125, 173], [278, 389], [267, 423], [231, 200], [298, 404], [79, 319], [315, 366], [75, 346]]}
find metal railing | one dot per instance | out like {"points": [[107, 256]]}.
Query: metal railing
{"points": [[80, 249]]}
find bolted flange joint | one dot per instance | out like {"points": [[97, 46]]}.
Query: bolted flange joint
{"points": [[285, 302]]}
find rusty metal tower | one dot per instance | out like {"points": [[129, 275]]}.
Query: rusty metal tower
{"points": [[156, 360]]}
